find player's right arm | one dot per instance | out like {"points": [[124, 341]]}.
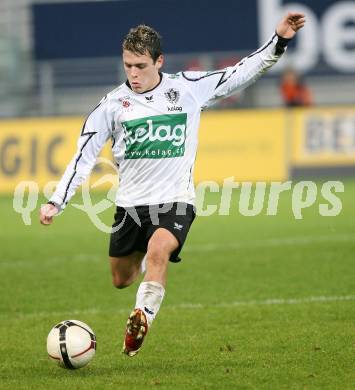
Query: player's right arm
{"points": [[94, 134]]}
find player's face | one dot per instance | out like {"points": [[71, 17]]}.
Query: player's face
{"points": [[142, 73]]}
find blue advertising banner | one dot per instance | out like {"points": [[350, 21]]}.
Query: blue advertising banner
{"points": [[326, 44], [96, 29]]}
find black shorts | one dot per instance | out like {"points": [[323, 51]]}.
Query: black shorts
{"points": [[134, 226]]}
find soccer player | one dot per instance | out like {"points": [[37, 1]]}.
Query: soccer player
{"points": [[152, 120]]}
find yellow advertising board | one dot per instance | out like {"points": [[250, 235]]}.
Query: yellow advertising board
{"points": [[323, 137], [246, 144], [249, 145], [38, 150]]}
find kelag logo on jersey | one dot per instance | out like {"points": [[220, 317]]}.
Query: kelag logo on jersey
{"points": [[161, 136]]}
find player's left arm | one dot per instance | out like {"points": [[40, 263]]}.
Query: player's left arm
{"points": [[290, 24], [211, 86]]}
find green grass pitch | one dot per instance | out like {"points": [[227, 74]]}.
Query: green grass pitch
{"points": [[257, 303]]}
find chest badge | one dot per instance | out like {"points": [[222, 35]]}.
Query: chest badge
{"points": [[172, 95]]}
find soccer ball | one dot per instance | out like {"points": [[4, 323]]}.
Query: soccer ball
{"points": [[71, 343]]}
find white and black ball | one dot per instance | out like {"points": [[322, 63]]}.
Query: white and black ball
{"points": [[71, 343]]}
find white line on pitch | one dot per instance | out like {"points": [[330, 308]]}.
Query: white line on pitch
{"points": [[271, 301], [270, 242], [184, 306]]}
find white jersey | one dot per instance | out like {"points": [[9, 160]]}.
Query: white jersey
{"points": [[154, 134]]}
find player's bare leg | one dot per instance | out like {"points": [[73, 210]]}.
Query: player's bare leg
{"points": [[160, 247], [126, 269], [151, 291]]}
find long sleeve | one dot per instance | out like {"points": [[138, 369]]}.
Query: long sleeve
{"points": [[207, 87], [94, 134]]}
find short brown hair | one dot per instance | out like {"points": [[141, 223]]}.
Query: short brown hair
{"points": [[143, 39]]}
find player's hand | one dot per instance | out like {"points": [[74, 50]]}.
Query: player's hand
{"points": [[290, 24], [46, 214]]}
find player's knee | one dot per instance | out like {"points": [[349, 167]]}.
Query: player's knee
{"points": [[157, 254], [120, 282]]}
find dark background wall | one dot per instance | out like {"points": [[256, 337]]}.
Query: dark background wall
{"points": [[96, 28], [91, 29]]}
